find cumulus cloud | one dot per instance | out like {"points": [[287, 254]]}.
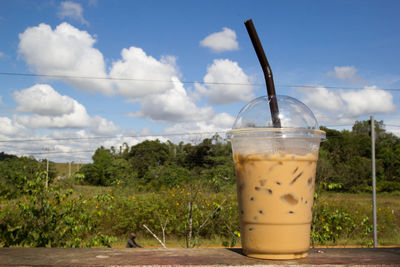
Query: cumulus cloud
{"points": [[76, 119], [102, 126], [69, 9], [391, 125], [225, 83], [345, 73], [223, 121], [42, 99], [370, 100], [347, 106], [162, 95], [65, 51], [224, 40], [173, 105], [10, 128], [197, 131], [322, 98], [151, 76], [49, 109]]}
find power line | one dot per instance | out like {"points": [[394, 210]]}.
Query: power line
{"points": [[115, 78], [392, 125], [337, 125], [57, 152], [110, 137], [339, 87], [186, 82]]}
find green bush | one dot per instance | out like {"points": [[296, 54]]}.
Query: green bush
{"points": [[48, 217]]}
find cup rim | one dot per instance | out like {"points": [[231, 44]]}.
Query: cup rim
{"points": [[312, 132]]}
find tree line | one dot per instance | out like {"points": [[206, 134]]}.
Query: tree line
{"points": [[155, 165], [344, 164]]}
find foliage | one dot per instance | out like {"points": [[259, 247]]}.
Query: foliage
{"points": [[48, 216], [187, 192], [345, 158], [152, 165], [212, 214], [14, 171]]}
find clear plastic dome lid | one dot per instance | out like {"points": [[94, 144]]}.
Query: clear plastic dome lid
{"points": [[293, 114]]}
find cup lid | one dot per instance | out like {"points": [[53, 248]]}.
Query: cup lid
{"points": [[295, 117], [292, 114]]}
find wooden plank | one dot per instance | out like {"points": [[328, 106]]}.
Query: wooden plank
{"points": [[185, 257]]}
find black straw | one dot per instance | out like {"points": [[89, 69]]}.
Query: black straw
{"points": [[269, 80]]}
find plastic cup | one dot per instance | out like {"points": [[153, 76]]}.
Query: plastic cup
{"points": [[275, 174]]}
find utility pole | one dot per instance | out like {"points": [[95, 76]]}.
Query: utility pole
{"points": [[373, 180], [47, 168]]}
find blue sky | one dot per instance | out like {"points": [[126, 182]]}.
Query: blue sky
{"points": [[75, 71]]}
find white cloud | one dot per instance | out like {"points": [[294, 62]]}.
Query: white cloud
{"points": [[391, 125], [223, 121], [173, 105], [370, 100], [162, 95], [49, 109], [322, 98], [101, 126], [347, 106], [218, 122], [10, 128], [199, 130], [69, 9], [65, 51], [221, 41], [152, 76], [1, 54], [345, 73], [77, 145], [42, 99], [225, 83], [76, 119]]}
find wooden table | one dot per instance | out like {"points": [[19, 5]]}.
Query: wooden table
{"points": [[190, 257]]}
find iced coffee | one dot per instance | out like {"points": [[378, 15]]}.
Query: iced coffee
{"points": [[275, 175], [275, 193]]}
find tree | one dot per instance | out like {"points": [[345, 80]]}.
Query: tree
{"points": [[15, 170], [168, 176], [99, 172], [4, 156], [148, 154]]}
